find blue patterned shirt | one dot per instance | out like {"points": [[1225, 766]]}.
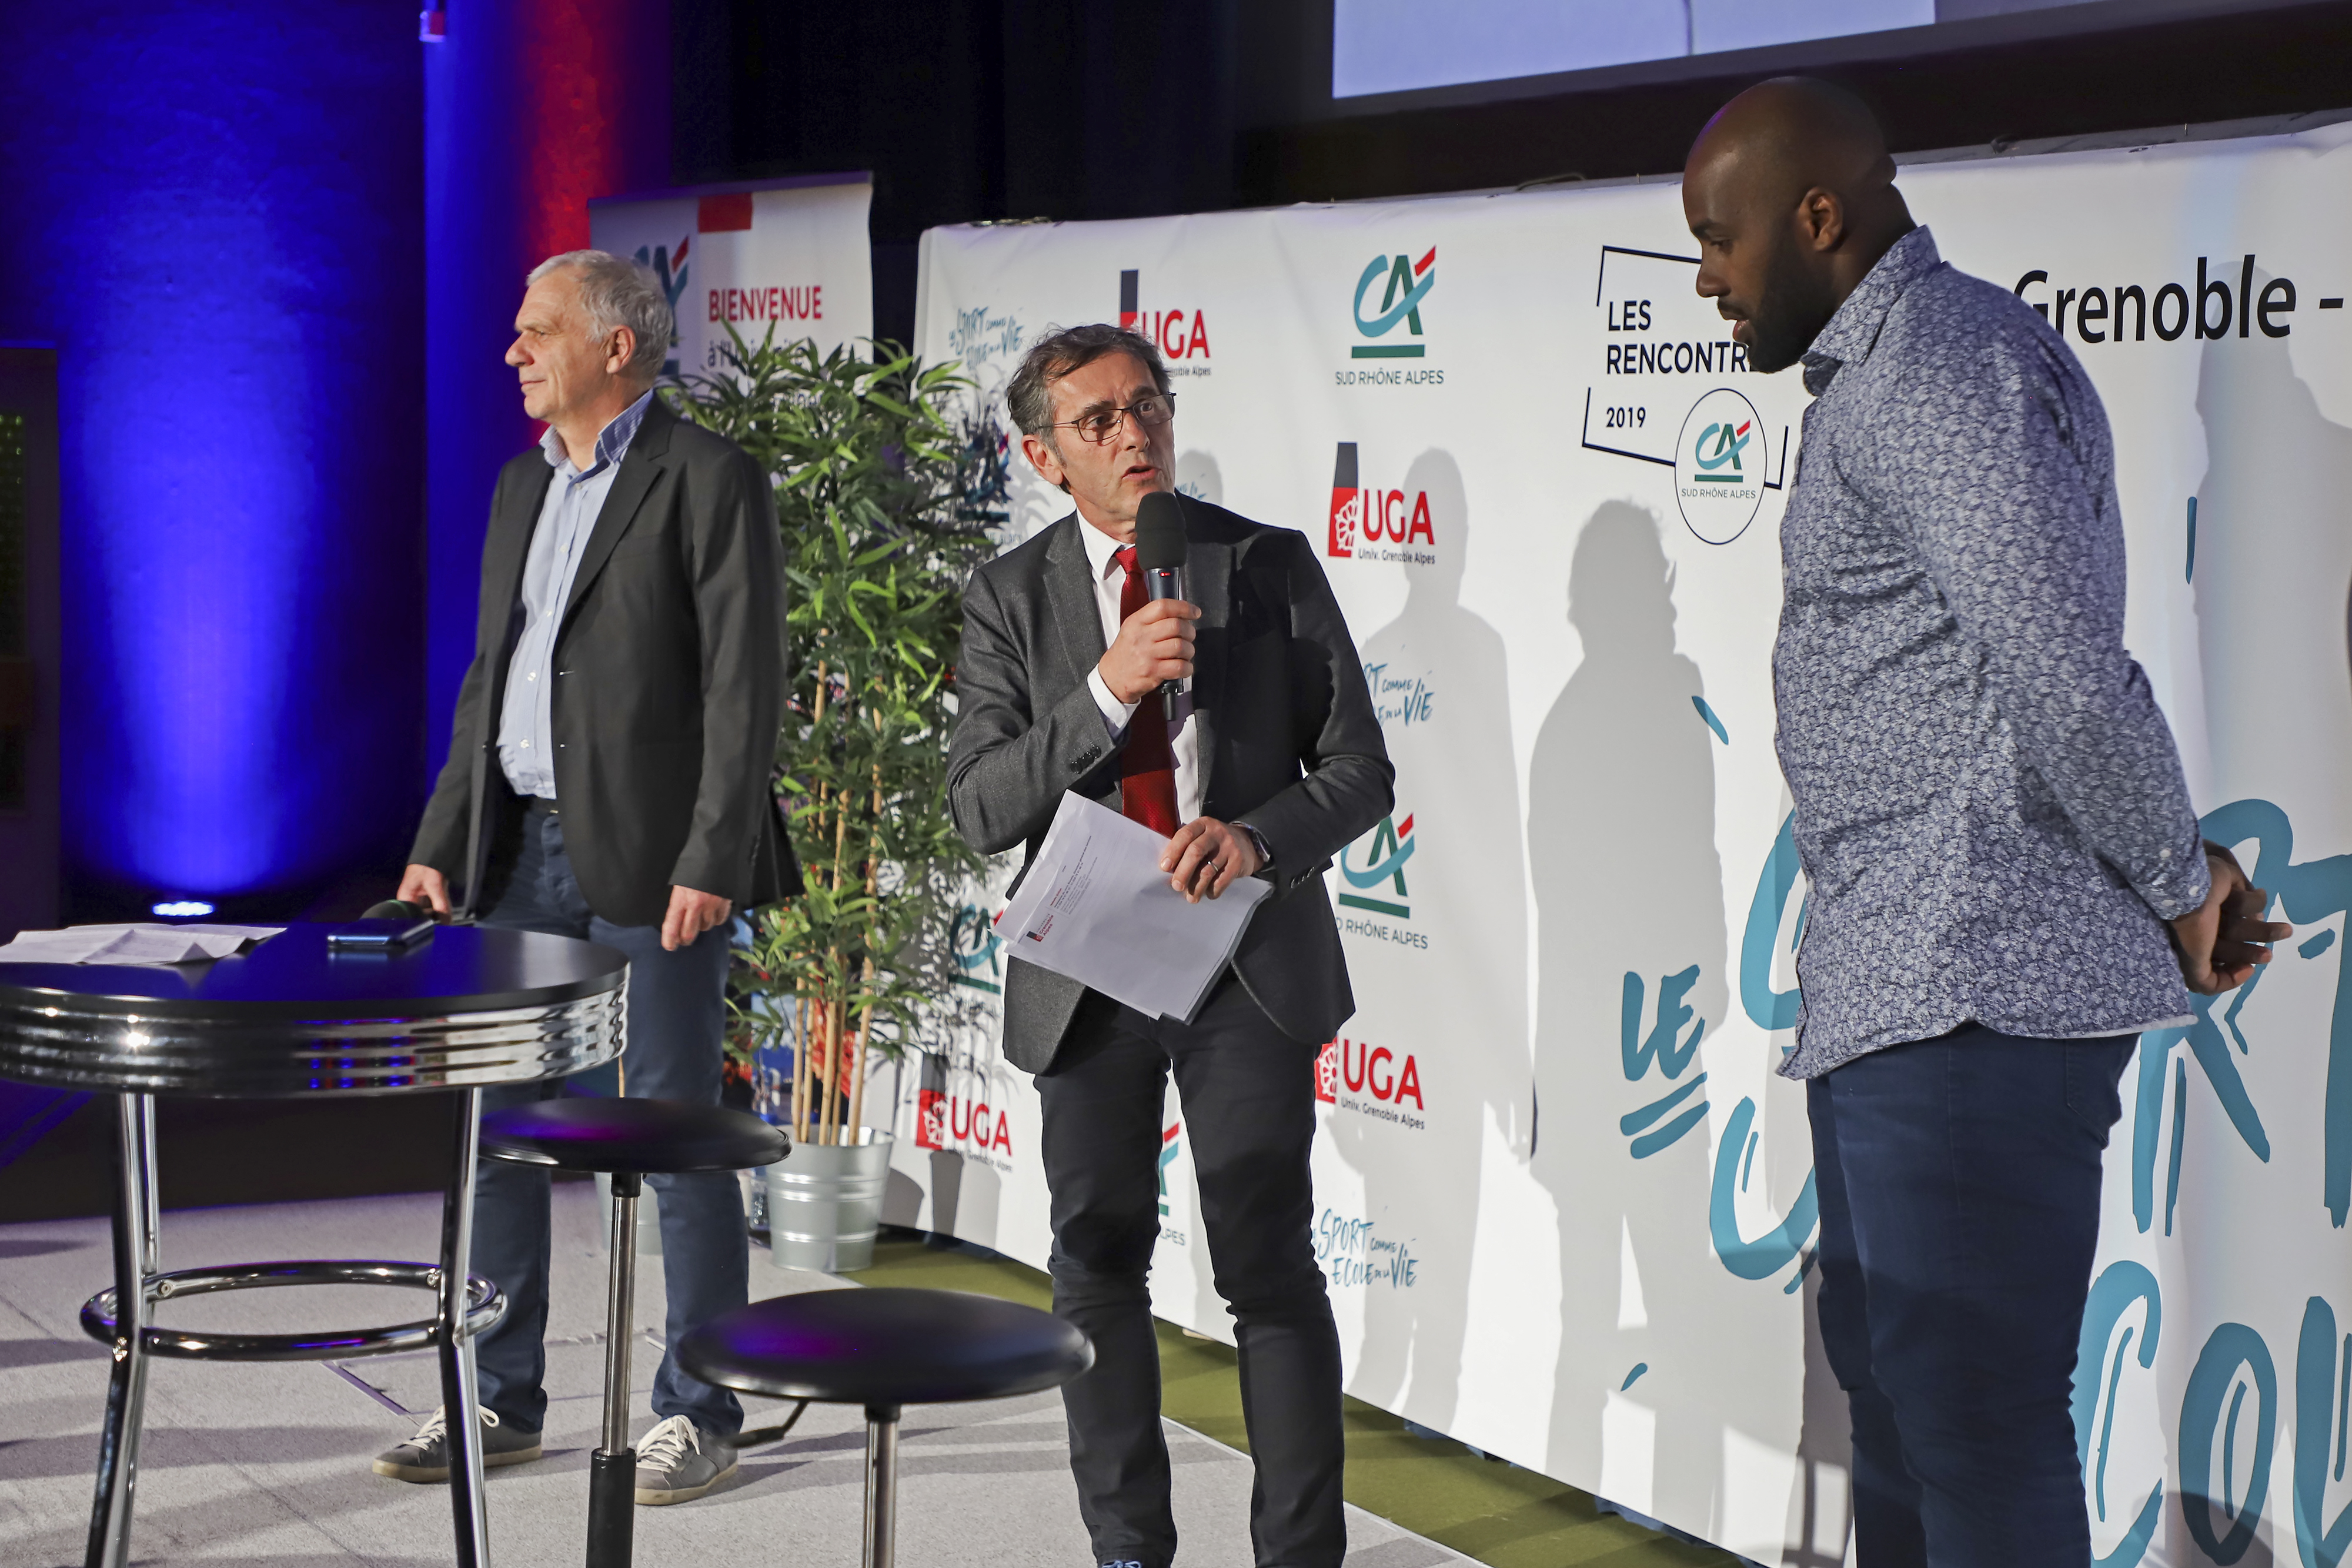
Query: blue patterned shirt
{"points": [[1990, 809]]}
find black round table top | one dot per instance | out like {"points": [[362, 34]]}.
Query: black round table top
{"points": [[294, 975], [464, 1007], [887, 1345], [647, 1137]]}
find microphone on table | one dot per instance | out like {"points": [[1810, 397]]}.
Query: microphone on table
{"points": [[1159, 556]]}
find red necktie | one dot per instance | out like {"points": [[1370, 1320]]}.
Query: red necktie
{"points": [[1147, 766]]}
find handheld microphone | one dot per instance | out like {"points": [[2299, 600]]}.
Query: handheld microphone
{"points": [[1160, 547]]}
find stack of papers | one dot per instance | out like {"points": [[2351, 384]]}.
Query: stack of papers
{"points": [[149, 944], [1095, 905]]}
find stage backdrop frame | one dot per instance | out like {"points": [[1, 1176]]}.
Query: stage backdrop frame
{"points": [[1554, 1157]]}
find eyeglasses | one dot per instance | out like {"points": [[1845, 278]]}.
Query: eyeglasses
{"points": [[1098, 427]]}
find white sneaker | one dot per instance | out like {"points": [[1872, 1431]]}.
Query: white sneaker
{"points": [[425, 1456], [677, 1461]]}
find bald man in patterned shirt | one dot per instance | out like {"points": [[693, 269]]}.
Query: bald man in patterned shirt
{"points": [[2007, 883]]}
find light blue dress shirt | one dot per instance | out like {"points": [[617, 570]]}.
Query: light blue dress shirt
{"points": [[566, 518]]}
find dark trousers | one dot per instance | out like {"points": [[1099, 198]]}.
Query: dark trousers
{"points": [[676, 1043], [1248, 1096], [1960, 1190]]}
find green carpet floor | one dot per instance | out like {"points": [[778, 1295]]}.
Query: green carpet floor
{"points": [[1498, 1513]]}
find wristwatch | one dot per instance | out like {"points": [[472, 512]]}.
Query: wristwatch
{"points": [[1257, 842]]}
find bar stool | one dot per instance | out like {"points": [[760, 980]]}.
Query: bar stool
{"points": [[886, 1348], [626, 1139]]}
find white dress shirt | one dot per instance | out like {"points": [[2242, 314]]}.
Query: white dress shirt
{"points": [[1183, 736], [526, 714]]}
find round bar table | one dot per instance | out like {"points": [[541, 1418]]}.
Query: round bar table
{"points": [[294, 1019]]}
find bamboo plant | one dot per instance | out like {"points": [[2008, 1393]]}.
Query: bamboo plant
{"points": [[873, 480]]}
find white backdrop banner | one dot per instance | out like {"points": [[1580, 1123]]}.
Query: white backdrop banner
{"points": [[1566, 1205], [793, 255]]}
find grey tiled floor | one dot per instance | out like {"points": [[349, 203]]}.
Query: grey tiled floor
{"points": [[268, 1464]]}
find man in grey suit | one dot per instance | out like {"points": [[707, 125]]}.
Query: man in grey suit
{"points": [[1269, 762], [609, 779]]}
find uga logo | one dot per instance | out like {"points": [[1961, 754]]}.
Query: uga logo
{"points": [[1180, 334], [1362, 1069], [941, 1118], [1361, 515]]}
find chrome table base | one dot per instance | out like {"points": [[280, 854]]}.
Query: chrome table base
{"points": [[460, 1396], [135, 1225], [296, 1019], [122, 1320]]}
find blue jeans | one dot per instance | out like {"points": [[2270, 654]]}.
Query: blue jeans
{"points": [[676, 1045], [1960, 1190]]}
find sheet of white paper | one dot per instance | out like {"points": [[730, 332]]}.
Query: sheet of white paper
{"points": [[1097, 907], [138, 944], [52, 947]]}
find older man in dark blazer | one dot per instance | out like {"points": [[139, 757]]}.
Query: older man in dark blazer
{"points": [[1267, 762], [609, 779]]}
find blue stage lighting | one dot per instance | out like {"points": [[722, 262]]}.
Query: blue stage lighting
{"points": [[184, 908], [230, 261]]}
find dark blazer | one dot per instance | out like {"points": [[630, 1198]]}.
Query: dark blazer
{"points": [[1289, 744], [669, 683]]}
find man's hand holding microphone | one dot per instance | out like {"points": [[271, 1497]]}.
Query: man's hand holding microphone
{"points": [[1153, 651], [1154, 647]]}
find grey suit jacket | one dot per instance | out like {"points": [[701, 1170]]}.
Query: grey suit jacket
{"points": [[669, 683], [1289, 744]]}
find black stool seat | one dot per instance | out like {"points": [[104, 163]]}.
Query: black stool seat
{"points": [[886, 1347], [647, 1137], [883, 1349]]}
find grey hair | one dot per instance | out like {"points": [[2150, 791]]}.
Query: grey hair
{"points": [[1062, 350], [617, 293]]}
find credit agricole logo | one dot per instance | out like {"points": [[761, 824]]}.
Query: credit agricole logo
{"points": [[1171, 1144], [1720, 463], [975, 947], [1384, 852], [1402, 284]]}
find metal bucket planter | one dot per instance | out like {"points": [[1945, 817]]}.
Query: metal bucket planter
{"points": [[649, 1216], [825, 1203]]}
